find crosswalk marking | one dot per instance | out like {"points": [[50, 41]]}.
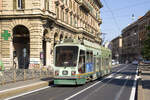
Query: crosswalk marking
{"points": [[110, 76], [118, 77]]}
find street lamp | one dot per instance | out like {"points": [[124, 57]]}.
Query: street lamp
{"points": [[138, 45]]}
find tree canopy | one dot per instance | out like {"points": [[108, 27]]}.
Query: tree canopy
{"points": [[146, 45]]}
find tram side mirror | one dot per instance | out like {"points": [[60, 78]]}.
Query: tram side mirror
{"points": [[14, 53]]}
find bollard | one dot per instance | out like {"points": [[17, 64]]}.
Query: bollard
{"points": [[3, 81], [40, 73], [14, 76], [24, 74], [32, 74]]}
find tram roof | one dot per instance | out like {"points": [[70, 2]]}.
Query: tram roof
{"points": [[84, 43]]}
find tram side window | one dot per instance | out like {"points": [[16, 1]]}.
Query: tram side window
{"points": [[89, 61], [89, 57], [81, 67], [99, 64]]}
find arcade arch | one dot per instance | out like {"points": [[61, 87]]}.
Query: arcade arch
{"points": [[21, 44]]}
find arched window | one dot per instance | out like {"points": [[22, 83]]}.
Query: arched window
{"points": [[62, 14], [57, 11], [18, 4], [66, 15], [46, 4], [71, 19], [21, 4]]}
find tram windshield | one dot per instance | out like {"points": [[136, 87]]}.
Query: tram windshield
{"points": [[66, 56]]}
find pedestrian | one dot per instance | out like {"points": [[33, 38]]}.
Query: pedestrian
{"points": [[15, 62], [126, 61]]}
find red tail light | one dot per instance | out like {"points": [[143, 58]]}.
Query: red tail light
{"points": [[73, 72], [56, 73]]}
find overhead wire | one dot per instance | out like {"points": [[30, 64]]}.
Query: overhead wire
{"points": [[128, 6], [113, 16]]}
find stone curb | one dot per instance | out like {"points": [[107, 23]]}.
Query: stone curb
{"points": [[15, 91], [140, 89]]}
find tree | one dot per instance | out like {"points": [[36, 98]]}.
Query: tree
{"points": [[146, 47]]}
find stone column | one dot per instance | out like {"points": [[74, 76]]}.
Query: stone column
{"points": [[52, 51], [48, 51], [36, 43]]}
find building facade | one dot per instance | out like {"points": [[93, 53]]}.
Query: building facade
{"points": [[31, 28], [116, 47], [133, 38]]}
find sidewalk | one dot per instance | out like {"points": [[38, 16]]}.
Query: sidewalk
{"points": [[144, 85], [13, 89]]}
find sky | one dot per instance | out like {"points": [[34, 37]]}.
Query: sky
{"points": [[117, 14]]}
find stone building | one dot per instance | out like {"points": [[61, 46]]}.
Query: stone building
{"points": [[31, 28], [116, 47], [133, 38], [130, 42]]}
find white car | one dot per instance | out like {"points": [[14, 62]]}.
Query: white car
{"points": [[146, 61], [135, 62], [114, 62]]}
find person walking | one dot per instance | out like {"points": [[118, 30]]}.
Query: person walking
{"points": [[15, 62]]}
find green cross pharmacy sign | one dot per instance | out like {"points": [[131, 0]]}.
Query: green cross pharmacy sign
{"points": [[5, 35]]}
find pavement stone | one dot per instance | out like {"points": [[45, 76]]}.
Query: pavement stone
{"points": [[13, 89], [144, 85]]}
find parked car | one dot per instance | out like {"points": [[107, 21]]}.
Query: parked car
{"points": [[135, 62], [117, 62], [146, 61], [114, 62]]}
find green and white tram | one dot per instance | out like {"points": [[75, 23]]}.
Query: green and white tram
{"points": [[78, 62]]}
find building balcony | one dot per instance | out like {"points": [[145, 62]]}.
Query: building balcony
{"points": [[85, 5], [85, 31], [27, 13]]}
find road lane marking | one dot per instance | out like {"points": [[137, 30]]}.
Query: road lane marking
{"points": [[11, 89], [93, 84], [122, 88], [22, 94], [133, 91], [127, 77], [97, 89], [118, 77], [110, 76]]}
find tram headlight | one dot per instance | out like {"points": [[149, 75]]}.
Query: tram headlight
{"points": [[73, 72], [56, 73]]}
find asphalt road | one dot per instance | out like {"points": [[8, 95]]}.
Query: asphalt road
{"points": [[116, 86]]}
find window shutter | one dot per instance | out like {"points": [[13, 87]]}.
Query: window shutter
{"points": [[14, 4], [23, 4]]}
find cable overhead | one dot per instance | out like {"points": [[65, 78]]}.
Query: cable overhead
{"points": [[129, 6], [117, 25], [121, 16]]}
